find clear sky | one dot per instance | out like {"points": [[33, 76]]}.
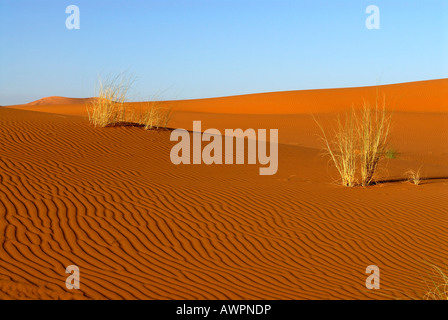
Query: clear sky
{"points": [[206, 48]]}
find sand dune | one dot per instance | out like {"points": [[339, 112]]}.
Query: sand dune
{"points": [[408, 97], [110, 201], [55, 100], [421, 96]]}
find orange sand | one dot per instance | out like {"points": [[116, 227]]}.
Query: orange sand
{"points": [[110, 201]]}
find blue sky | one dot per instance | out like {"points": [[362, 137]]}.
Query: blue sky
{"points": [[209, 48]]}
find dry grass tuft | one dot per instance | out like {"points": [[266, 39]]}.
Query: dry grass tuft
{"points": [[109, 107], [155, 116], [373, 133], [438, 289], [413, 176], [342, 149], [358, 143]]}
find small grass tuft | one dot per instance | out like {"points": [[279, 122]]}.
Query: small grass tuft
{"points": [[413, 176], [391, 153]]}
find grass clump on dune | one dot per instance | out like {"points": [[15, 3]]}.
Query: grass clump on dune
{"points": [[414, 176], [109, 107], [155, 116], [358, 143], [438, 289]]}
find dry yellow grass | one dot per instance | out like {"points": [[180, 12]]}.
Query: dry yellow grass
{"points": [[358, 143], [342, 149], [438, 286], [155, 116], [413, 176], [373, 132], [109, 107]]}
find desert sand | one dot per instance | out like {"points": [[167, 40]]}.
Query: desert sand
{"points": [[139, 227]]}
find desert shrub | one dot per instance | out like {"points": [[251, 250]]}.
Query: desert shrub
{"points": [[358, 143], [108, 108]]}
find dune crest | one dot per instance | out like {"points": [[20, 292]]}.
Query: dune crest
{"points": [[55, 100], [420, 96]]}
